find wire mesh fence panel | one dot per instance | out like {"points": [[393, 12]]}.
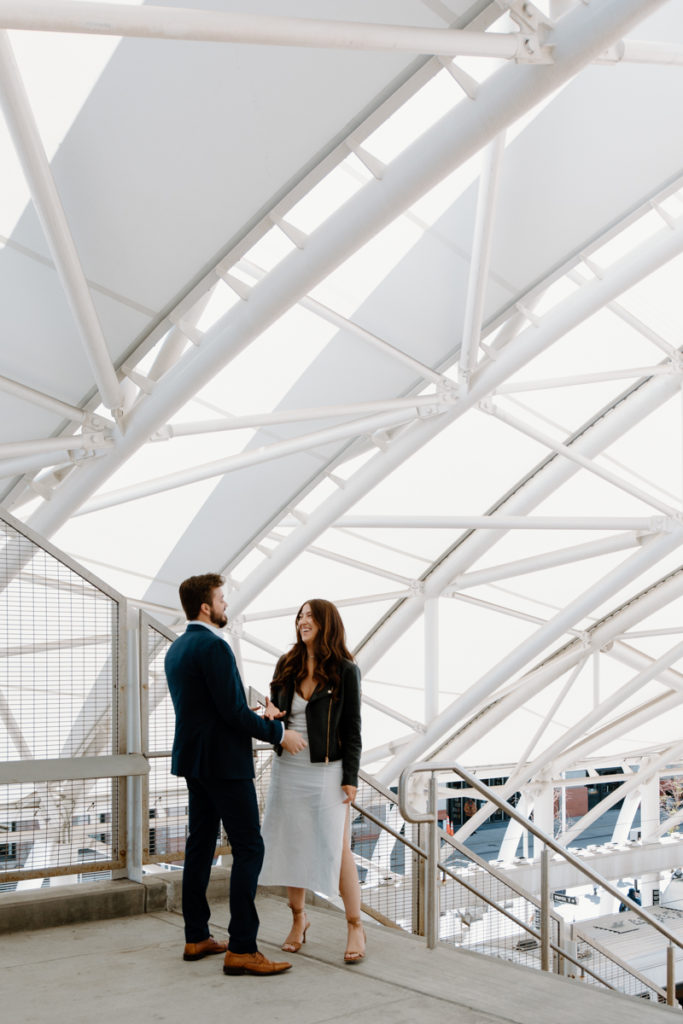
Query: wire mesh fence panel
{"points": [[59, 675], [385, 862], [598, 961], [57, 828], [481, 912], [166, 827]]}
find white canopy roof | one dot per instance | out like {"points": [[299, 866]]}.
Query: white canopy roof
{"points": [[279, 307]]}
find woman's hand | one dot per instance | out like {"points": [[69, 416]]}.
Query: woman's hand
{"points": [[272, 711], [350, 792]]}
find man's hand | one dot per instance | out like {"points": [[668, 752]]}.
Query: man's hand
{"points": [[293, 741]]}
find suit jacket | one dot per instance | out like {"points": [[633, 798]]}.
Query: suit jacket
{"points": [[214, 725]]}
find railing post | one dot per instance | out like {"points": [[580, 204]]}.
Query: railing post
{"points": [[545, 909], [561, 962], [419, 874], [432, 866], [134, 785], [670, 975]]}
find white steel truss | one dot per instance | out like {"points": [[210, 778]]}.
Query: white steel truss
{"points": [[395, 429]]}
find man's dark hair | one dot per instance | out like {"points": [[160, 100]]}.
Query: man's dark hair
{"points": [[198, 590]]}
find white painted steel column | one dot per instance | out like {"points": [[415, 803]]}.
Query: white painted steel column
{"points": [[34, 162], [597, 637], [503, 98], [479, 262], [559, 756], [619, 577], [134, 784], [624, 822], [431, 659], [647, 771]]}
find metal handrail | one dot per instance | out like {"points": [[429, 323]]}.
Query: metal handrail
{"points": [[500, 876], [561, 952], [430, 817]]}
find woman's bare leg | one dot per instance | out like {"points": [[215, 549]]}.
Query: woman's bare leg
{"points": [[297, 934], [349, 890]]}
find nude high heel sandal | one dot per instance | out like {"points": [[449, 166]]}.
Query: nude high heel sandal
{"points": [[292, 945], [354, 956]]}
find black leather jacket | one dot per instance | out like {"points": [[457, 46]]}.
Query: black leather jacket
{"points": [[334, 731]]}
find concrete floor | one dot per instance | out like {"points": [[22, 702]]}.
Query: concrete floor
{"points": [[131, 970]]}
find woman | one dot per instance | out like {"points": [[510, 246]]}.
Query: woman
{"points": [[316, 688]]}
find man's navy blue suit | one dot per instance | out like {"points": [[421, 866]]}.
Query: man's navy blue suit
{"points": [[212, 750]]}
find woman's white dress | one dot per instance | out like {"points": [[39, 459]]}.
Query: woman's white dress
{"points": [[303, 823]]}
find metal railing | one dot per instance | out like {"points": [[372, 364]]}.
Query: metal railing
{"points": [[94, 784], [65, 763], [554, 949]]}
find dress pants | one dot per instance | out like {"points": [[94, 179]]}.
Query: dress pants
{"points": [[232, 801]]}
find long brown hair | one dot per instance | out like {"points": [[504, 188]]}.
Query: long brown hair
{"points": [[329, 649]]}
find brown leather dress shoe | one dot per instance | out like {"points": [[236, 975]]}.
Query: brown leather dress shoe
{"points": [[207, 947], [252, 963]]}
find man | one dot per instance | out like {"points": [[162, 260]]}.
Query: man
{"points": [[212, 749]]}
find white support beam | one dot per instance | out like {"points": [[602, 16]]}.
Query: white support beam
{"points": [[480, 259], [431, 659], [613, 581], [354, 563], [250, 457], [29, 147], [348, 602], [624, 822], [34, 463], [643, 51], [64, 444], [555, 757], [412, 724], [419, 405], [504, 522], [650, 768], [664, 826], [578, 380], [149, 22], [501, 99], [586, 463], [330, 316], [52, 404], [547, 560], [596, 638], [548, 717]]}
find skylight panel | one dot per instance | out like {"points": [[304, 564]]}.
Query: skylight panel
{"points": [[259, 377], [630, 238], [223, 298], [421, 111], [655, 300], [270, 249], [76, 61], [556, 293], [351, 283], [329, 194], [438, 200]]}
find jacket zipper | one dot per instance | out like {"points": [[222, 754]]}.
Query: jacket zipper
{"points": [[329, 712]]}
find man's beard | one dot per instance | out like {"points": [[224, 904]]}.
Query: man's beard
{"points": [[219, 619]]}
